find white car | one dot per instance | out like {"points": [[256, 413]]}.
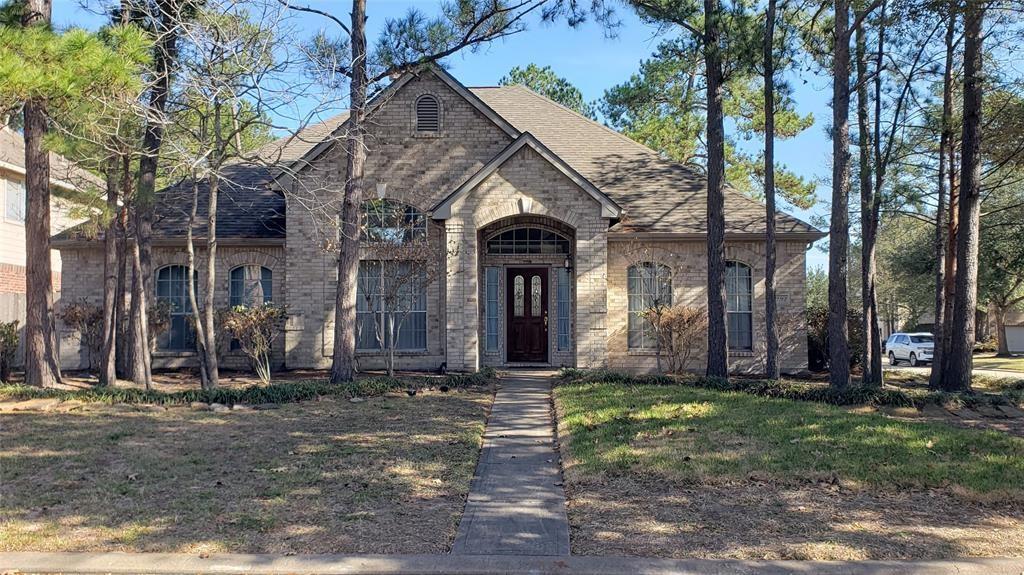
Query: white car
{"points": [[915, 348]]}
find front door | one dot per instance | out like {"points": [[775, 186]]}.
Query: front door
{"points": [[527, 309]]}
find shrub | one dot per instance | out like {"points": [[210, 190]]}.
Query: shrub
{"points": [[681, 330], [252, 395], [88, 320], [817, 337], [793, 390], [255, 328], [8, 348]]}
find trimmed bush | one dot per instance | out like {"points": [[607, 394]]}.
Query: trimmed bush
{"points": [[284, 392]]}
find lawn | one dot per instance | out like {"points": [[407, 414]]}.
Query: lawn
{"points": [[384, 475], [990, 361], [681, 471]]}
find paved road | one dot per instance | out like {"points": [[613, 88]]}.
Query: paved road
{"points": [[516, 504]]}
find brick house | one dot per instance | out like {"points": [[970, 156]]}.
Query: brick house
{"points": [[563, 228]]}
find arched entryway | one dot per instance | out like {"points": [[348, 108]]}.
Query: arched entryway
{"points": [[527, 291]]}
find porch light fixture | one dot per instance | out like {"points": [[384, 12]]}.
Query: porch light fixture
{"points": [[525, 205], [568, 264], [382, 188]]}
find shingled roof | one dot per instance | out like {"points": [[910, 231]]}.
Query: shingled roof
{"points": [[63, 173], [656, 194]]}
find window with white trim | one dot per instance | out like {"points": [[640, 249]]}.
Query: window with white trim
{"points": [[410, 313], [648, 285], [739, 292], [428, 114], [172, 287], [14, 201]]}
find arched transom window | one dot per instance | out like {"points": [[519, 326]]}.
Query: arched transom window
{"points": [[528, 241], [739, 291], [251, 285], [648, 286], [392, 221]]}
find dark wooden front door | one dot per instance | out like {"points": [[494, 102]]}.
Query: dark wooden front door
{"points": [[527, 310]]}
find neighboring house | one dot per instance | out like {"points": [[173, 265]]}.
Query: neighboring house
{"points": [[562, 229], [63, 176]]}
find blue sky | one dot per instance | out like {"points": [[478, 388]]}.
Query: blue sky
{"points": [[586, 58]]}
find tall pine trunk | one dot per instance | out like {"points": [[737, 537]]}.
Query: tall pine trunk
{"points": [[771, 367], [42, 367], [108, 366], [718, 344], [872, 334], [864, 140], [941, 335], [164, 56], [839, 227], [965, 299], [343, 364]]}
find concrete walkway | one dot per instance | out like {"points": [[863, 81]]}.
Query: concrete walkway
{"points": [[516, 504], [241, 564]]}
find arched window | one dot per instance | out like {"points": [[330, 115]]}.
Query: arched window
{"points": [[172, 288], [521, 241], [428, 114], [648, 286], [739, 291], [251, 285], [392, 221]]}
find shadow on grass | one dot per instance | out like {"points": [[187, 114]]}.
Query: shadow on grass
{"points": [[382, 476]]}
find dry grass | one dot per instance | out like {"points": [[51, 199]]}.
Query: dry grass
{"points": [[682, 472], [387, 475]]}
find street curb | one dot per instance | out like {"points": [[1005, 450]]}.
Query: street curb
{"points": [[255, 564]]}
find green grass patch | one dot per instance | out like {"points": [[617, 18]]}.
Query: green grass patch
{"points": [[698, 435], [285, 392], [809, 391]]}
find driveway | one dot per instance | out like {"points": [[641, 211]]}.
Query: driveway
{"points": [[925, 370]]}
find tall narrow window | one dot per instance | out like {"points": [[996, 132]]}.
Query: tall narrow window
{"points": [[739, 291], [519, 296], [649, 286], [384, 293], [172, 288], [428, 114], [251, 285], [562, 302], [14, 204], [536, 293], [491, 311]]}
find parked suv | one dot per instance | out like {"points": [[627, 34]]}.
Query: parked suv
{"points": [[915, 348]]}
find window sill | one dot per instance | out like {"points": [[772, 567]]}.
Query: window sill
{"points": [[169, 353], [643, 352], [427, 135], [398, 353], [741, 353]]}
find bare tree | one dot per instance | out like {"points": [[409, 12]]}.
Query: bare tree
{"points": [[401, 264]]}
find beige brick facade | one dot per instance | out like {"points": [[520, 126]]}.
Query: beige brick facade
{"points": [[527, 188]]}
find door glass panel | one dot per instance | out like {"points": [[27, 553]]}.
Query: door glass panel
{"points": [[535, 296], [518, 296]]}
